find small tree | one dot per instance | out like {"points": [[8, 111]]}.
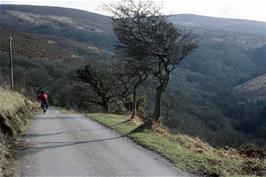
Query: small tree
{"points": [[140, 72], [124, 82], [126, 21], [130, 75], [170, 46], [101, 83]]}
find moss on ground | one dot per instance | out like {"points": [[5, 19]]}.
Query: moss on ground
{"points": [[187, 153]]}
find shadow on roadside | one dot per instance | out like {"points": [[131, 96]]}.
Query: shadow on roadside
{"points": [[36, 147]]}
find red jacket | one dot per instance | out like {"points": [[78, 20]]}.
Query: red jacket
{"points": [[43, 97]]}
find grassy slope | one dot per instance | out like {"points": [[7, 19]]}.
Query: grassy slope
{"points": [[187, 153], [15, 110]]}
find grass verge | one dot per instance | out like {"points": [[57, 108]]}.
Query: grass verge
{"points": [[187, 153], [15, 111]]}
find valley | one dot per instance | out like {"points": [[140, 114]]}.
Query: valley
{"points": [[203, 97]]}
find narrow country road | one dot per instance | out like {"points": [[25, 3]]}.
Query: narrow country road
{"points": [[72, 145]]}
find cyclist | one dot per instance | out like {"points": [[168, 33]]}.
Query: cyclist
{"points": [[43, 97]]}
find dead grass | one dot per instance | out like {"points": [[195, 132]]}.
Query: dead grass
{"points": [[15, 110]]}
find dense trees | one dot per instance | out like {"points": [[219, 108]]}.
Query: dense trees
{"points": [[114, 85], [101, 82]]}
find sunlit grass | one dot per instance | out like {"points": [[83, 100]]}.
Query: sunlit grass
{"points": [[190, 154]]}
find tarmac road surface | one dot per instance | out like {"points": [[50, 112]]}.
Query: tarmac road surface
{"points": [[73, 145]]}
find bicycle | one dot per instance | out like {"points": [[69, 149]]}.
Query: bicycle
{"points": [[44, 107]]}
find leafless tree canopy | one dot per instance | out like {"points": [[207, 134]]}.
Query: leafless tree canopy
{"points": [[150, 40]]}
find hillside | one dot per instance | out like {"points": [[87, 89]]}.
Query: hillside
{"points": [[74, 18], [30, 46], [74, 24], [49, 48], [211, 23], [15, 111], [248, 105], [254, 88], [52, 43]]}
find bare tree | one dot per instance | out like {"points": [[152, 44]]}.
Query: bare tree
{"points": [[170, 46], [150, 40], [127, 21], [140, 73], [130, 75], [124, 81]]}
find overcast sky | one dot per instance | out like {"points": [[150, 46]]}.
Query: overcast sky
{"points": [[241, 9]]}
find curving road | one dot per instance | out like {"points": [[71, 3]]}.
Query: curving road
{"points": [[72, 145]]}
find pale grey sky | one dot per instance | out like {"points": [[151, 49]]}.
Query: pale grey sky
{"points": [[241, 9]]}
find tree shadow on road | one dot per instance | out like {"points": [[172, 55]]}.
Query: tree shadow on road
{"points": [[36, 135], [37, 147], [57, 117]]}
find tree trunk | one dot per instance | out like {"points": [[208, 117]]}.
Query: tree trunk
{"points": [[142, 78], [134, 111], [159, 92], [105, 105], [157, 108]]}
